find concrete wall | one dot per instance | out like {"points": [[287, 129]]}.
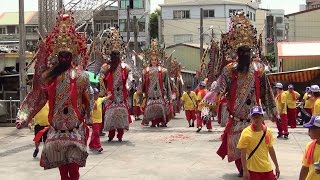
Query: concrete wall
{"points": [[304, 26]]}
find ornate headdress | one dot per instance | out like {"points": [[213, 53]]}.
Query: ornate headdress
{"points": [[154, 49], [241, 32], [113, 42], [65, 38]]}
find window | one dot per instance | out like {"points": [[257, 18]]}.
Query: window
{"points": [[2, 30], [232, 11], [31, 29], [182, 38], [279, 20], [11, 29], [208, 13], [133, 4], [115, 23], [250, 16], [279, 33], [254, 17], [181, 14], [123, 25], [98, 26]]}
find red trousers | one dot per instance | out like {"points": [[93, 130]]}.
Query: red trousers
{"points": [[95, 136], [200, 121], [190, 115], [112, 133], [292, 117], [69, 171], [283, 125], [262, 175]]}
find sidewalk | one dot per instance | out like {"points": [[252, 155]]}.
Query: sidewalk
{"points": [[175, 153]]}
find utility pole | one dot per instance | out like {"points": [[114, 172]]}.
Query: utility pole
{"points": [[128, 24], [275, 45], [22, 49], [201, 33], [135, 43], [212, 33], [160, 28]]}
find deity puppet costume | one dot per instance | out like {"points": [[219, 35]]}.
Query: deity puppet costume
{"points": [[243, 89], [67, 94], [113, 82], [156, 86]]}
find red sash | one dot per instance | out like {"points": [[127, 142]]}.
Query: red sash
{"points": [[310, 151]]}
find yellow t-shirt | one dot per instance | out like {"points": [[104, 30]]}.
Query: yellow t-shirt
{"points": [[136, 99], [316, 107], [308, 102], [259, 162], [42, 117], [281, 100], [316, 158], [189, 102], [97, 111], [292, 99]]}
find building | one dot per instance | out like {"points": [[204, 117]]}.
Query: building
{"points": [[311, 4], [140, 9], [105, 19], [181, 20], [275, 28], [303, 26], [9, 29]]}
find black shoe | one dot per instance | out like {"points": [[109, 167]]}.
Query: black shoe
{"points": [[286, 137], [102, 134], [35, 153], [279, 136], [153, 126], [199, 129], [120, 140], [240, 174], [110, 139], [192, 124], [100, 150]]}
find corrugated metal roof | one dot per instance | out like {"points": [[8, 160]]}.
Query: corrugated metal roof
{"points": [[12, 18], [298, 49], [194, 45], [204, 2]]}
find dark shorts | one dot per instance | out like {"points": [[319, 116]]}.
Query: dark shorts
{"points": [[38, 128]]}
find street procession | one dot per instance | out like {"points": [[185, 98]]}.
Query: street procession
{"points": [[163, 89]]}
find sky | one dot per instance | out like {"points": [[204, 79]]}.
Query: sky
{"points": [[290, 6]]}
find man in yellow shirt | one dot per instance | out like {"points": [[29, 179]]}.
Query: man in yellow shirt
{"points": [[256, 142], [96, 117], [40, 122], [292, 97], [310, 169], [315, 90], [307, 106], [282, 119], [189, 100]]}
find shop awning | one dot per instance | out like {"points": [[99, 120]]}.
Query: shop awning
{"points": [[303, 75]]}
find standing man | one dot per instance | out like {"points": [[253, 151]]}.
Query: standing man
{"points": [[113, 80], [308, 102], [292, 97], [315, 90], [256, 143], [282, 121], [245, 85], [200, 95]]}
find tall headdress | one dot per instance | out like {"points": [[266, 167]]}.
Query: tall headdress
{"points": [[113, 42], [65, 38], [241, 32], [154, 49]]}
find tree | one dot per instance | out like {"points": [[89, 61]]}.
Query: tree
{"points": [[154, 28]]}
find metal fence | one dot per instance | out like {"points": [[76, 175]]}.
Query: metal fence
{"points": [[8, 110]]}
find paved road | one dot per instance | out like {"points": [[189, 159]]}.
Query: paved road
{"points": [[174, 153]]}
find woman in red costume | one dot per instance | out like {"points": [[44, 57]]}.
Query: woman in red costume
{"points": [[60, 79], [156, 87]]}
